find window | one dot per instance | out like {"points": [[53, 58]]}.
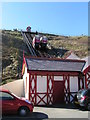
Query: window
{"points": [[5, 96]]}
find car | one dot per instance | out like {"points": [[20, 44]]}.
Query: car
{"points": [[36, 41], [43, 42], [12, 104], [82, 98], [28, 29]]}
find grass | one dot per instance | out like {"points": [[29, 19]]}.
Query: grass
{"points": [[79, 45], [12, 55], [13, 46]]}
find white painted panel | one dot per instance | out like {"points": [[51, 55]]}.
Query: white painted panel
{"points": [[41, 84], [28, 85], [66, 84], [45, 99], [58, 78], [73, 84], [25, 70]]}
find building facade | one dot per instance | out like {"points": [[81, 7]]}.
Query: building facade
{"points": [[52, 81]]}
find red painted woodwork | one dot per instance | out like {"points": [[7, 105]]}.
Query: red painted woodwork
{"points": [[87, 79], [41, 98], [66, 88], [50, 82], [87, 76], [32, 88], [58, 94], [54, 73]]}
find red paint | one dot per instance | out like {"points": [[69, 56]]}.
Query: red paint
{"points": [[50, 89], [41, 99], [87, 70], [54, 73], [13, 103], [66, 79], [58, 94]]}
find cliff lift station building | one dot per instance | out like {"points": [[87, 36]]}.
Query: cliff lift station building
{"points": [[50, 81]]}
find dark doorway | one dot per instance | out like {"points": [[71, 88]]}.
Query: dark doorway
{"points": [[58, 93]]}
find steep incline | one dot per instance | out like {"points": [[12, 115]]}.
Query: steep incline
{"points": [[58, 46]]}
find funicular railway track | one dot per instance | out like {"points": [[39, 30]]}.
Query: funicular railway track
{"points": [[28, 43], [28, 38]]}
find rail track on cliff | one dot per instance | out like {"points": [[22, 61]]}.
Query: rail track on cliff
{"points": [[28, 39]]}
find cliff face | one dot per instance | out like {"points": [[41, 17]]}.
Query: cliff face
{"points": [[13, 47]]}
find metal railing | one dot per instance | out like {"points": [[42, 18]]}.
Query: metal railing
{"points": [[28, 43]]}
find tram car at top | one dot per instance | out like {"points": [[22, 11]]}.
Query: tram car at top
{"points": [[28, 29], [36, 41], [43, 42]]}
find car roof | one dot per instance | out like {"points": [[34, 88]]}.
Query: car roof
{"points": [[3, 90]]}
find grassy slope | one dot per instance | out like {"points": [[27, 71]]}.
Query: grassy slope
{"points": [[13, 46], [12, 55], [79, 45]]}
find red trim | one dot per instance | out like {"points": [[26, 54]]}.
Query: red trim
{"points": [[56, 73], [66, 78], [87, 81], [41, 99], [86, 70]]}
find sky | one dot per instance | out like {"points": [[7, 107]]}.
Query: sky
{"points": [[62, 18]]}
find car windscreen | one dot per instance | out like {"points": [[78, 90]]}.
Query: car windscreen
{"points": [[82, 92]]}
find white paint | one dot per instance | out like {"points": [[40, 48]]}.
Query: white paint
{"points": [[24, 78], [25, 70], [32, 84], [58, 78], [15, 87], [66, 84], [41, 84], [50, 84], [27, 85], [73, 84]]}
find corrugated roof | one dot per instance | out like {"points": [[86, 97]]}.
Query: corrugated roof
{"points": [[54, 65]]}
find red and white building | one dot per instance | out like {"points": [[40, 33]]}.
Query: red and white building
{"points": [[86, 71], [52, 81], [86, 68]]}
